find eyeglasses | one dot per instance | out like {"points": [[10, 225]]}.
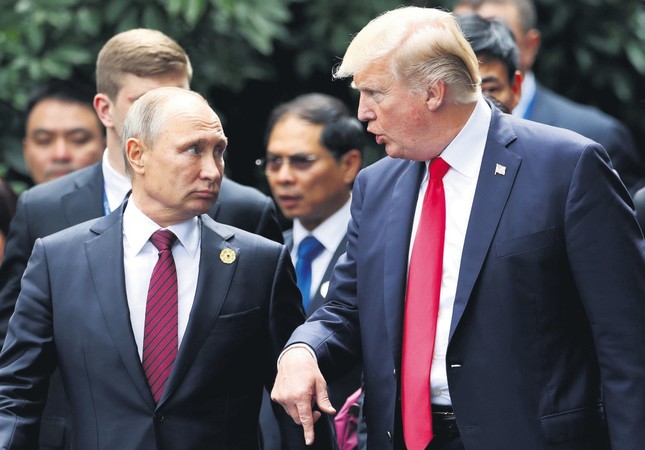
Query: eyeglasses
{"points": [[298, 162]]}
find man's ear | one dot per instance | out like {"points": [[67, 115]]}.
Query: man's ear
{"points": [[103, 108], [350, 163], [436, 95], [134, 152]]}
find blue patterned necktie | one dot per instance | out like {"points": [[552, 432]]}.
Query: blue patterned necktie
{"points": [[308, 250]]}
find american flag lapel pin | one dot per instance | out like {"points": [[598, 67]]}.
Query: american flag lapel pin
{"points": [[500, 170]]}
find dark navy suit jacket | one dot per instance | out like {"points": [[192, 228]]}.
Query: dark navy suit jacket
{"points": [[75, 198], [547, 332], [72, 313]]}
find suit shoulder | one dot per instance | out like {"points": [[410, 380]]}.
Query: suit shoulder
{"points": [[238, 236], [234, 192], [538, 141], [49, 193], [385, 167], [78, 232], [584, 119]]}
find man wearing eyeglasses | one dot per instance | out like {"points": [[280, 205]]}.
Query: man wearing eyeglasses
{"points": [[314, 152]]}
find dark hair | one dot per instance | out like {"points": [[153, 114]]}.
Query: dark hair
{"points": [[8, 201], [491, 38], [342, 132], [526, 10], [72, 91]]}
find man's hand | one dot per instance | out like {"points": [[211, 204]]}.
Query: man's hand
{"points": [[298, 386]]}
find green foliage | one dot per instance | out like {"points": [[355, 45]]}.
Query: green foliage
{"points": [[593, 50]]}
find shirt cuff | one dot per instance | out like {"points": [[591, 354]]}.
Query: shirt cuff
{"points": [[297, 345]]}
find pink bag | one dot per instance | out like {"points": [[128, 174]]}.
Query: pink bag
{"points": [[346, 422]]}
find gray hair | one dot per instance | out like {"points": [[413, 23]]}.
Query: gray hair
{"points": [[148, 116]]}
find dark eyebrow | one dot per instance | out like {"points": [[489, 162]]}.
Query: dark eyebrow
{"points": [[490, 79]]}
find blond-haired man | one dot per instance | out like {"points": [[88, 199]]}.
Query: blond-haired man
{"points": [[493, 282]]}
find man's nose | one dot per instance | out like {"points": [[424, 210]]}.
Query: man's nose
{"points": [[61, 150]]}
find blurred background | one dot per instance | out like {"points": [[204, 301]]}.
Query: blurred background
{"points": [[249, 55]]}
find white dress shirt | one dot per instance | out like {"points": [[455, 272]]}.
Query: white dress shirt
{"points": [[330, 233], [464, 155], [140, 257], [115, 185]]}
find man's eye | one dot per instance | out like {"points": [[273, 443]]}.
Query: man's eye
{"points": [[42, 142], [193, 150]]}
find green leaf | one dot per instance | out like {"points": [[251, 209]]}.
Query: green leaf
{"points": [[636, 55], [72, 54], [174, 7], [194, 11]]}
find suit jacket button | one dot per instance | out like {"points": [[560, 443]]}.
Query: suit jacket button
{"points": [[389, 436], [158, 417]]}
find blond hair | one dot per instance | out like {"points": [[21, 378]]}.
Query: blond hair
{"points": [[422, 46], [141, 52]]}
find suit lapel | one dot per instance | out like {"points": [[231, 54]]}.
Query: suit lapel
{"points": [[212, 288], [496, 177], [111, 294], [397, 244], [85, 202]]}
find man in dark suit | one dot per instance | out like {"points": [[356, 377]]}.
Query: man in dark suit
{"points": [[545, 106], [493, 282], [128, 65], [498, 56], [314, 152], [89, 304]]}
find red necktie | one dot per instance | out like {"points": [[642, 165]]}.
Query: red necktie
{"points": [[160, 332], [421, 310]]}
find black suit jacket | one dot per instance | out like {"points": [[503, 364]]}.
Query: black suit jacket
{"points": [[75, 198], [546, 337], [72, 312], [553, 109]]}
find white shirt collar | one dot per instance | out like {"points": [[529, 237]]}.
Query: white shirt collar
{"points": [[116, 185], [464, 153], [328, 231], [137, 229]]}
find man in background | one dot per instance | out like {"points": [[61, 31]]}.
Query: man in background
{"points": [[498, 57], [313, 153], [130, 64], [545, 106], [62, 131]]}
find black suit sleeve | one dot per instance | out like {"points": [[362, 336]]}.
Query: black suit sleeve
{"points": [[247, 208], [27, 359], [286, 313], [268, 223]]}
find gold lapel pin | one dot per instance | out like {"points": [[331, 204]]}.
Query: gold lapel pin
{"points": [[227, 256], [500, 170]]}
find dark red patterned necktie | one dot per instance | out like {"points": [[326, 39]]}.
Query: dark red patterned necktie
{"points": [[160, 333], [421, 309]]}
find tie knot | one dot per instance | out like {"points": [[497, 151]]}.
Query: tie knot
{"points": [[163, 239], [309, 248], [438, 168]]}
